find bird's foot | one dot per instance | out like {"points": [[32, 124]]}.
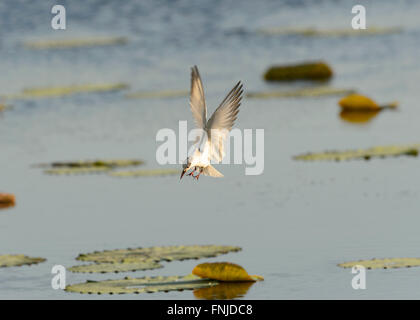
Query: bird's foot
{"points": [[192, 172]]}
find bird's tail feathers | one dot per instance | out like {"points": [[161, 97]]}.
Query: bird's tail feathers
{"points": [[212, 172]]}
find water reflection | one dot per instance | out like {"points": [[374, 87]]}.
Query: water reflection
{"points": [[224, 290], [358, 117]]}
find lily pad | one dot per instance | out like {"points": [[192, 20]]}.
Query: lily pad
{"points": [[142, 285], [388, 263], [89, 166], [49, 92], [122, 260], [77, 171], [358, 103], [7, 200], [224, 271], [17, 260], [313, 32], [75, 43], [366, 154], [95, 163], [158, 94], [144, 173], [307, 92], [305, 71], [116, 267]]}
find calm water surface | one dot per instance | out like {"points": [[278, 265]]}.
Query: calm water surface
{"points": [[295, 222]]}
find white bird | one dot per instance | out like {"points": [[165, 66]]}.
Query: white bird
{"points": [[215, 130]]}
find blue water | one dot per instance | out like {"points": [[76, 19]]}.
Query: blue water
{"points": [[295, 222]]}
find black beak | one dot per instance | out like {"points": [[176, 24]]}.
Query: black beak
{"points": [[182, 174]]}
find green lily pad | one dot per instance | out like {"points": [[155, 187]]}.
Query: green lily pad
{"points": [[304, 71], [366, 154], [94, 163], [312, 32], [116, 267], [388, 263], [123, 260], [48, 92], [145, 173], [17, 260], [75, 43], [307, 92], [142, 285], [76, 171], [89, 166]]}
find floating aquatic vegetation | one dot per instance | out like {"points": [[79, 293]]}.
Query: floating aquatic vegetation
{"points": [[359, 103], [304, 71], [224, 290], [93, 163], [142, 285], [4, 106], [7, 200], [158, 94], [358, 116], [48, 92], [144, 173], [388, 263], [306, 92], [121, 260], [75, 43], [375, 152], [88, 166], [125, 266], [224, 271], [313, 32], [17, 260], [77, 171]]}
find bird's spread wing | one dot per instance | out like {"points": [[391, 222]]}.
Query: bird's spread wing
{"points": [[222, 120], [197, 102]]}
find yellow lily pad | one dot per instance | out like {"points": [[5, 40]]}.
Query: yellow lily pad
{"points": [[7, 199], [142, 285], [306, 92], [358, 103], [17, 260], [75, 43], [388, 263], [304, 71], [224, 271], [144, 173], [366, 154]]}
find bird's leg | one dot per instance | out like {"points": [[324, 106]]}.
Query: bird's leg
{"points": [[198, 175], [192, 171]]}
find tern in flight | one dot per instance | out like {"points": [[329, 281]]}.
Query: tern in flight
{"points": [[215, 130]]}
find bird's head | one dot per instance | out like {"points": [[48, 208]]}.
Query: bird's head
{"points": [[185, 167]]}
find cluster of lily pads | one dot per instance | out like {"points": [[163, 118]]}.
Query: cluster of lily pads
{"points": [[125, 260]]}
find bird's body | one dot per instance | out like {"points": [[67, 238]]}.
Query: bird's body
{"points": [[215, 130]]}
